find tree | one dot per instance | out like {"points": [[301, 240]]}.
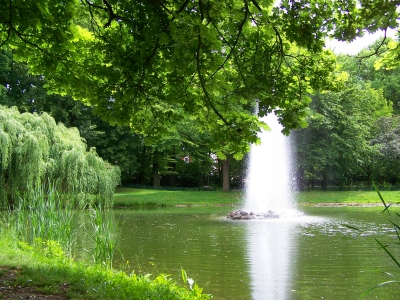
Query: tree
{"points": [[151, 64], [387, 139], [34, 152], [117, 144], [27, 92], [368, 68], [337, 143]]}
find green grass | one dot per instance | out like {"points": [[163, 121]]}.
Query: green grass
{"points": [[49, 272], [130, 197], [347, 197]]}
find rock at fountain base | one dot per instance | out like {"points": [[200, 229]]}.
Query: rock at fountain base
{"points": [[244, 215]]}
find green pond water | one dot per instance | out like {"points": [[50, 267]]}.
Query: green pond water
{"points": [[311, 257]]}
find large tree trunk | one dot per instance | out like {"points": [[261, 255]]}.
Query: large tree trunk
{"points": [[324, 182], [369, 175], [141, 177], [172, 177], [201, 174], [156, 176], [226, 187]]}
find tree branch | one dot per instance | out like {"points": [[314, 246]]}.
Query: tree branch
{"points": [[376, 52], [256, 5], [148, 59], [183, 6], [164, 7], [240, 28], [202, 83], [110, 12], [9, 27]]}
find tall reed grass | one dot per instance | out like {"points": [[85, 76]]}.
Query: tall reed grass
{"points": [[39, 214], [102, 230], [45, 215]]}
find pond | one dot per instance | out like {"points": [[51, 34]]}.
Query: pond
{"points": [[311, 257]]}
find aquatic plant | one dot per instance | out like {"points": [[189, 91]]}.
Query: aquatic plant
{"points": [[187, 280], [102, 231], [40, 213]]}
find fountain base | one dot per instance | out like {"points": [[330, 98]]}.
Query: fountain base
{"points": [[244, 215]]}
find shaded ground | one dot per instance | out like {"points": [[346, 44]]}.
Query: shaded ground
{"points": [[10, 288]]}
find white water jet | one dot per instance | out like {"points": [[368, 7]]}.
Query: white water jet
{"points": [[270, 179]]}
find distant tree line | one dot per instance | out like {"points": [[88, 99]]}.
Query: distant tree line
{"points": [[353, 134]]}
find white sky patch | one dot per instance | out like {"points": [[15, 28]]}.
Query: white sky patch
{"points": [[358, 44]]}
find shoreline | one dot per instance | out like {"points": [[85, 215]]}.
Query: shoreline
{"points": [[331, 204]]}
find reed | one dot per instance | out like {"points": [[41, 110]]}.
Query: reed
{"points": [[43, 215], [102, 230], [39, 214]]}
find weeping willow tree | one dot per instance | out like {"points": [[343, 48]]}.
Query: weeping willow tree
{"points": [[35, 152]]}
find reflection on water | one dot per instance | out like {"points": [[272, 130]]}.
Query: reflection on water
{"points": [[270, 255], [196, 239], [313, 257]]}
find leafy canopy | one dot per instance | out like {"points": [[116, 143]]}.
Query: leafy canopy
{"points": [[152, 64]]}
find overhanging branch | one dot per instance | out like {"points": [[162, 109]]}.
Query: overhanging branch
{"points": [[203, 85]]}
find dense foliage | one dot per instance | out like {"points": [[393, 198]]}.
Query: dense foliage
{"points": [[138, 159], [352, 136], [152, 65], [37, 152], [183, 76]]}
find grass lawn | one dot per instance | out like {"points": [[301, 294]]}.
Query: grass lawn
{"points": [[347, 197], [130, 197]]}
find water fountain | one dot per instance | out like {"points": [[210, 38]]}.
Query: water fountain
{"points": [[270, 196], [270, 181]]}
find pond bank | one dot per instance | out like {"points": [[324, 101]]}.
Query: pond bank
{"points": [[26, 273]]}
